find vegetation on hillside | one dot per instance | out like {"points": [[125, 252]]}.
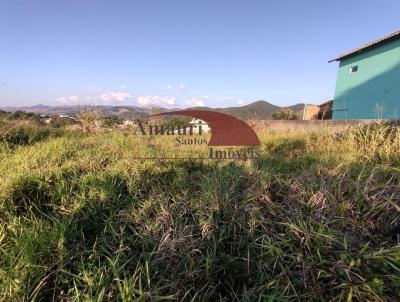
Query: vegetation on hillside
{"points": [[284, 114], [315, 217]]}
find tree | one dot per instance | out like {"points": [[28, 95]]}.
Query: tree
{"points": [[60, 122], [284, 114], [112, 121], [176, 122]]}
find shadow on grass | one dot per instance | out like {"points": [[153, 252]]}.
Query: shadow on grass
{"points": [[123, 218]]}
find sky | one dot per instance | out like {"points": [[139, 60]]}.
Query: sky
{"points": [[180, 53]]}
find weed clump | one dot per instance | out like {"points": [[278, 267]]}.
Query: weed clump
{"points": [[33, 195], [26, 135]]}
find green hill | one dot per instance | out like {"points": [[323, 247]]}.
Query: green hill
{"points": [[259, 110]]}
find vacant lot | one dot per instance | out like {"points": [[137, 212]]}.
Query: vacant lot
{"points": [[315, 217]]}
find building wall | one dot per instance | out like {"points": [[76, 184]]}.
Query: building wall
{"points": [[266, 126], [318, 112], [310, 112], [374, 90]]}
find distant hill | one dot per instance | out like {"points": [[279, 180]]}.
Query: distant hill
{"points": [[258, 109], [127, 112]]}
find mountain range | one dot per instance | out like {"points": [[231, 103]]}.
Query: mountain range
{"points": [[258, 110]]}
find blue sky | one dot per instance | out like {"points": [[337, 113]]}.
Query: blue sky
{"points": [[180, 52]]}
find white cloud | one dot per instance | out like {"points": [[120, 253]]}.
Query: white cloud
{"points": [[156, 101], [71, 99], [95, 97], [240, 102], [194, 103], [112, 96], [167, 87], [206, 96], [122, 86], [171, 86], [223, 99]]}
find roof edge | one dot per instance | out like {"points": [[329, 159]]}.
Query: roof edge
{"points": [[366, 46]]}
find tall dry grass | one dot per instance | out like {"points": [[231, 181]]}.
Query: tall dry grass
{"points": [[315, 217]]}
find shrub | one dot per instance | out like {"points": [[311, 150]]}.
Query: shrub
{"points": [[112, 121], [61, 122], [22, 115], [20, 135], [90, 120]]}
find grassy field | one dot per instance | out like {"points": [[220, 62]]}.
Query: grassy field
{"points": [[315, 217]]}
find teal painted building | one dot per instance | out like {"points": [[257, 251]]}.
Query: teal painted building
{"points": [[368, 82]]}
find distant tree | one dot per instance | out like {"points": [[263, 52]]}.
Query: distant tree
{"points": [[22, 115], [3, 114], [112, 121], [284, 114], [176, 122], [61, 122]]}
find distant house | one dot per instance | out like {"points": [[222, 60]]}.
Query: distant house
{"points": [[67, 116], [368, 81], [128, 123], [197, 123], [46, 118]]}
